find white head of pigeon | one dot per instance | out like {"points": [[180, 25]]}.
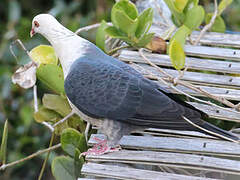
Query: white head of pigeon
{"points": [[67, 45]]}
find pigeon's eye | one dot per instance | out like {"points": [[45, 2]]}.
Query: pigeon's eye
{"points": [[36, 24]]}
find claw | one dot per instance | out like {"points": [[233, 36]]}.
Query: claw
{"points": [[100, 148]]}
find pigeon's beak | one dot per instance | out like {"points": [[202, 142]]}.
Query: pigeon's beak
{"points": [[32, 32]]}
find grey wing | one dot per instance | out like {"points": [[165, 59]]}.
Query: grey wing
{"points": [[102, 90], [105, 90]]}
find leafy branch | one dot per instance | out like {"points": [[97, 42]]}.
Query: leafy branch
{"points": [[127, 25], [55, 109], [188, 16]]}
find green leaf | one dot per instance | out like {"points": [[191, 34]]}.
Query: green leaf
{"points": [[194, 17], [144, 22], [125, 6], [180, 4], [177, 54], [195, 2], [56, 103], [190, 5], [115, 33], [78, 162], [71, 140], [77, 123], [44, 54], [218, 26], [178, 16], [223, 5], [47, 115], [101, 35], [3, 150], [181, 35], [63, 168], [145, 40], [52, 76], [125, 23]]}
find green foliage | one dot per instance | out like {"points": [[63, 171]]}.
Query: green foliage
{"points": [[44, 54], [180, 5], [144, 22], [127, 25], [177, 15], [223, 5], [188, 16], [101, 35], [125, 7], [44, 115], [54, 108], [194, 17], [56, 103], [219, 24], [73, 143], [3, 149], [124, 22], [52, 76], [48, 72], [63, 168], [72, 140], [181, 35], [177, 54]]}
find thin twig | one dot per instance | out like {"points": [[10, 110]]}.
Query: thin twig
{"points": [[209, 25], [18, 41], [46, 159], [35, 98], [90, 27], [64, 119], [152, 76], [36, 108], [48, 126], [117, 49], [170, 78], [4, 166]]}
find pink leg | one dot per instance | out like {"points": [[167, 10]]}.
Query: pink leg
{"points": [[100, 148]]}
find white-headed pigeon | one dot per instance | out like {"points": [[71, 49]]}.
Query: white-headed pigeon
{"points": [[112, 95]]}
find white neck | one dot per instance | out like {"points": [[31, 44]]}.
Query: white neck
{"points": [[68, 46]]}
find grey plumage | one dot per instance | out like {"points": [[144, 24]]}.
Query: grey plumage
{"points": [[103, 87]]}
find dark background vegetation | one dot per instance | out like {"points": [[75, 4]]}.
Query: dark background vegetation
{"points": [[25, 135]]}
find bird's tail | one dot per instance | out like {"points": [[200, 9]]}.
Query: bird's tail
{"points": [[214, 131]]}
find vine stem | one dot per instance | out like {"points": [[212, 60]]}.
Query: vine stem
{"points": [[90, 27], [117, 49], [46, 159], [4, 166], [209, 25]]}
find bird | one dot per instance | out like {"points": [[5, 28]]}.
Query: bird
{"points": [[113, 96]]}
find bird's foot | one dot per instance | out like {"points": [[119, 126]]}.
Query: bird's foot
{"points": [[100, 148]]}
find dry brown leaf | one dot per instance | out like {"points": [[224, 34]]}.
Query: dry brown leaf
{"points": [[157, 45], [25, 76]]}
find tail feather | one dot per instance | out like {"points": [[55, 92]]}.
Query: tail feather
{"points": [[214, 131]]}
